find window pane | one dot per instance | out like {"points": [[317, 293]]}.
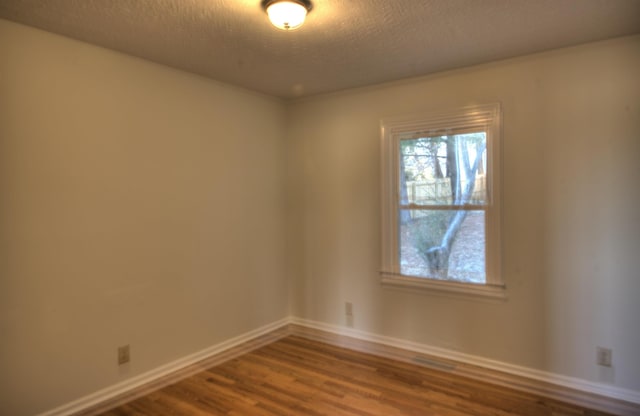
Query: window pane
{"points": [[443, 170], [446, 245]]}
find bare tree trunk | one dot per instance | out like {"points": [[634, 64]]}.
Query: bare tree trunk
{"points": [[437, 169], [452, 166], [405, 215], [438, 256]]}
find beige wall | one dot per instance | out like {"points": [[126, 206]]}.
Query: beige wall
{"points": [[571, 229], [140, 205]]}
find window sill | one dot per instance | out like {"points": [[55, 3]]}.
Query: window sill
{"points": [[419, 284]]}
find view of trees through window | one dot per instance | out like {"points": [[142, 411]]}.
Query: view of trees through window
{"points": [[443, 194]]}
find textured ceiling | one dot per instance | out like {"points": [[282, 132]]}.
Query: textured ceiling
{"points": [[343, 44]]}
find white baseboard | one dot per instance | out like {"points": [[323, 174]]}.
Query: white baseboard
{"points": [[137, 386], [582, 392]]}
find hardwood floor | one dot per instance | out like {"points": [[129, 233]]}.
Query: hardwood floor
{"points": [[296, 376]]}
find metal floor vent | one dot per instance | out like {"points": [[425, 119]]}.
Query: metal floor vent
{"points": [[438, 365]]}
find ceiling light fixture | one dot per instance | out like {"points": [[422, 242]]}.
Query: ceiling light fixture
{"points": [[287, 14]]}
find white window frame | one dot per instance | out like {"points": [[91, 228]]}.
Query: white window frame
{"points": [[487, 118]]}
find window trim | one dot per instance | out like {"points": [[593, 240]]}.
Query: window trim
{"points": [[487, 117]]}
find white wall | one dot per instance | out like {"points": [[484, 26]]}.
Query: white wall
{"points": [[571, 229], [140, 205]]}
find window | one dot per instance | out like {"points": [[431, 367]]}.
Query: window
{"points": [[441, 201]]}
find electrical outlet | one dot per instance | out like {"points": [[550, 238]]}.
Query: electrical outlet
{"points": [[123, 355], [348, 308], [603, 356]]}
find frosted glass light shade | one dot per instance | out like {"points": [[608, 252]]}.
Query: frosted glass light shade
{"points": [[286, 14]]}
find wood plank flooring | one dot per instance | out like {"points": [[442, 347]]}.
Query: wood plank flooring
{"points": [[297, 376]]}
